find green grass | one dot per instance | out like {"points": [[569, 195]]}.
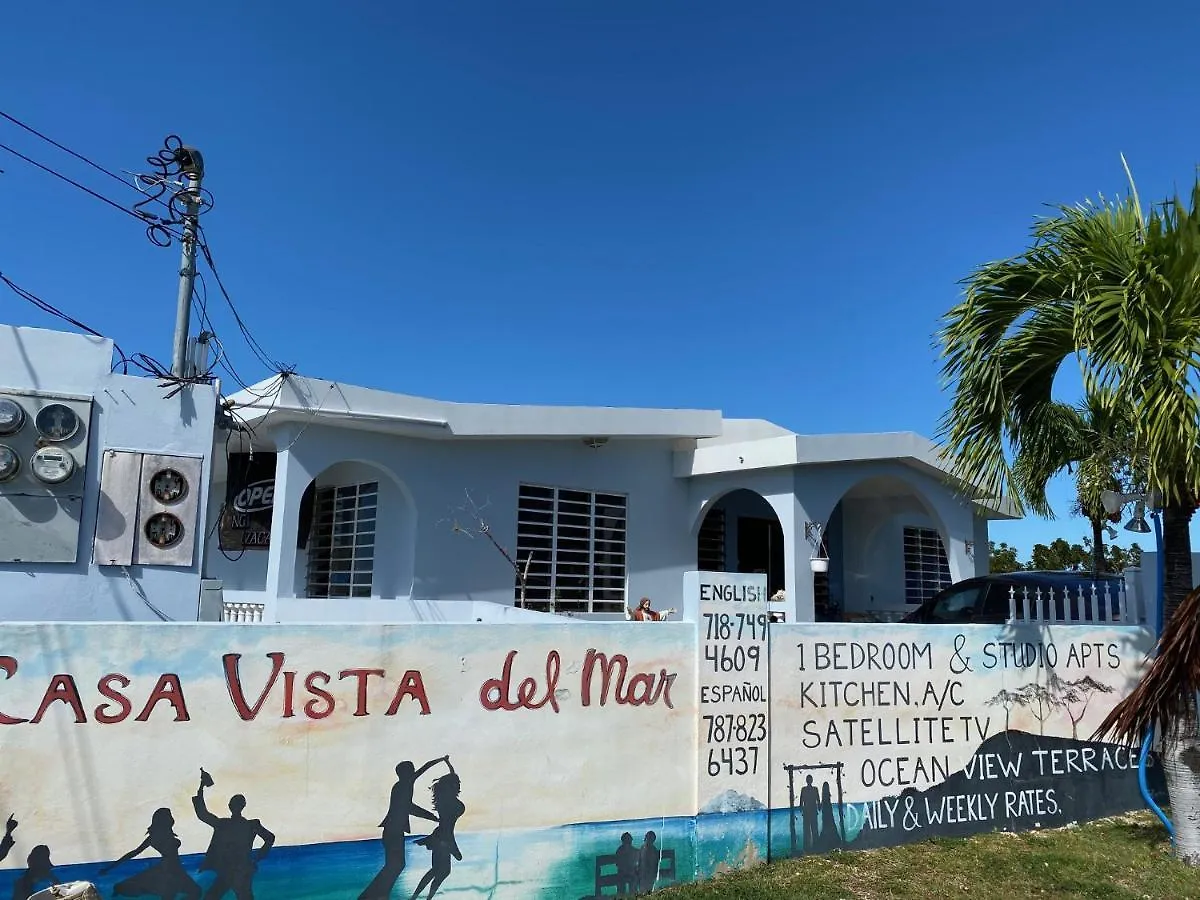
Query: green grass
{"points": [[1127, 857]]}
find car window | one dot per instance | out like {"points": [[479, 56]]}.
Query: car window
{"points": [[995, 605], [956, 606]]}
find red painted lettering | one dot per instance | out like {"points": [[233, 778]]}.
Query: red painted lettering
{"points": [[9, 666], [166, 688], [643, 689], [61, 690], [362, 675], [234, 684], [411, 685], [313, 708], [289, 694], [106, 689], [494, 693]]}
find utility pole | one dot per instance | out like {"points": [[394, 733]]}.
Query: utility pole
{"points": [[191, 165]]}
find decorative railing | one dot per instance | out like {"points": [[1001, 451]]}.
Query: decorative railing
{"points": [[1086, 605], [237, 611]]}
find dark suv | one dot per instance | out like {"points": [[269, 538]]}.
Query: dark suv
{"points": [[985, 600]]}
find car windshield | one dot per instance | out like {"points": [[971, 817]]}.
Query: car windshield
{"points": [[956, 605]]}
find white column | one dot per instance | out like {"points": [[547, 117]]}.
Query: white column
{"points": [[291, 480]]}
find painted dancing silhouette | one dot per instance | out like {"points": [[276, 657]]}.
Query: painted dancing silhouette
{"points": [[6, 843], [38, 875], [441, 843], [396, 826], [231, 851], [166, 878]]}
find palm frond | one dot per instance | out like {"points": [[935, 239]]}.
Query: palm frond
{"points": [[1167, 690]]}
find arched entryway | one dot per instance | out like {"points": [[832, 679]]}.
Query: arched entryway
{"points": [[356, 534], [887, 552], [740, 532]]}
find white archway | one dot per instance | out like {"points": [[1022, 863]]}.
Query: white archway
{"points": [[888, 548], [740, 531], [357, 534]]}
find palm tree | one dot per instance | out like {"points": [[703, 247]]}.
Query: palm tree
{"points": [[1091, 441], [1117, 290]]}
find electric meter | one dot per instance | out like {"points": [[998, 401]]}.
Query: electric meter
{"points": [[56, 422], [163, 530], [12, 417], [168, 486], [10, 463], [52, 465]]}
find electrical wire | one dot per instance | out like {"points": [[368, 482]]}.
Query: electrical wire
{"points": [[68, 150], [47, 307], [87, 190], [168, 163], [255, 347]]}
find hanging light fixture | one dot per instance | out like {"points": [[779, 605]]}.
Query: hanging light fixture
{"points": [[1138, 523]]}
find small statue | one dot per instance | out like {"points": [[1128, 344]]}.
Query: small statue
{"points": [[644, 613]]}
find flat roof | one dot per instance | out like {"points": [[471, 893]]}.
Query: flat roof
{"points": [[303, 399], [706, 443]]}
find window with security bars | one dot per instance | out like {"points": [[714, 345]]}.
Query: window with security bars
{"points": [[926, 568], [574, 543], [710, 543], [341, 552]]}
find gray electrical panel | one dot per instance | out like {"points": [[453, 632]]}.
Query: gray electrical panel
{"points": [[149, 509], [44, 442]]}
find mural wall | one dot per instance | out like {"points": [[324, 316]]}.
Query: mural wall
{"points": [[883, 735], [159, 761], [519, 761]]}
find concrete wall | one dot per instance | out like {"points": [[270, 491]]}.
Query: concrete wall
{"points": [[919, 731], [127, 414]]}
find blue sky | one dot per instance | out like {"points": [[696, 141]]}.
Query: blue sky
{"points": [[759, 207]]}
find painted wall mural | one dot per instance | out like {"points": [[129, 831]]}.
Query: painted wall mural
{"points": [[891, 734], [191, 760], [516, 761]]}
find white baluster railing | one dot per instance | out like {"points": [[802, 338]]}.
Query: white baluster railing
{"points": [[237, 611]]}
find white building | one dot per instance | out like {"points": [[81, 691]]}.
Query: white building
{"points": [[370, 506]]}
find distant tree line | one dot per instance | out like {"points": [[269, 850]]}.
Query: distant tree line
{"points": [[1059, 555]]}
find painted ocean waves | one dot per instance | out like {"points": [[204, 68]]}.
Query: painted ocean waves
{"points": [[504, 865]]}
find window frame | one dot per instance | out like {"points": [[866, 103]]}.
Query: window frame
{"points": [[328, 550], [607, 564], [924, 581]]}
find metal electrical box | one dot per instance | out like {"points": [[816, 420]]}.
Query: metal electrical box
{"points": [[44, 442], [149, 509]]}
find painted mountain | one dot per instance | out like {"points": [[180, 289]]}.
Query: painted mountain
{"points": [[1015, 781]]}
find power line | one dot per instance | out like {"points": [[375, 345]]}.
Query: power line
{"points": [[65, 149], [156, 229], [47, 307], [73, 182], [255, 347], [90, 192]]}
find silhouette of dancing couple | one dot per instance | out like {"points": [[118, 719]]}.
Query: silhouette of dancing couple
{"points": [[397, 824], [231, 854]]}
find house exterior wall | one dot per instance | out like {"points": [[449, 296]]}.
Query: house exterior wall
{"points": [[426, 485], [127, 414], [423, 490], [873, 551], [107, 723], [869, 531]]}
